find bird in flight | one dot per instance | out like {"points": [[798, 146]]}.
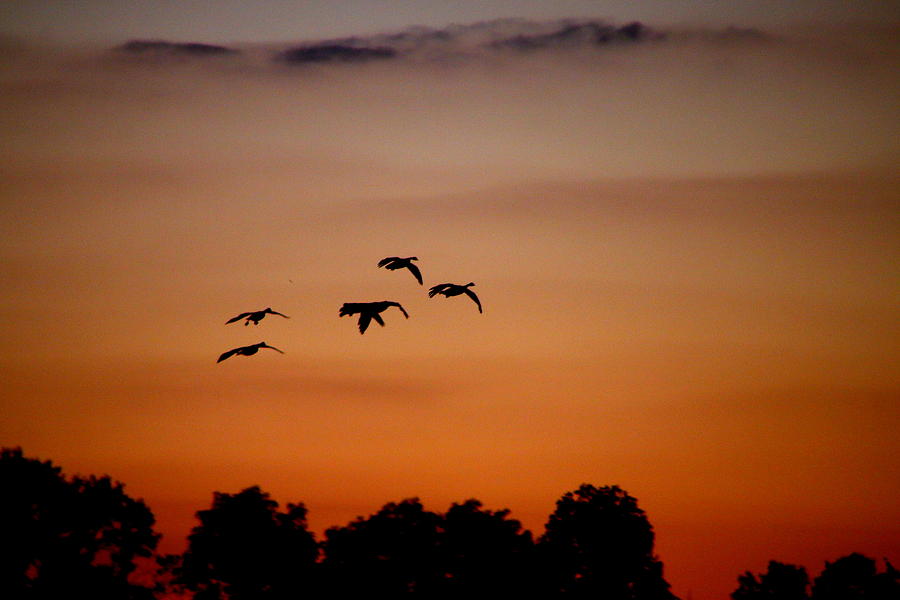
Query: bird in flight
{"points": [[368, 311], [246, 351], [255, 316], [392, 263], [452, 289]]}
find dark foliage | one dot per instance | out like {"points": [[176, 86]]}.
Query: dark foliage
{"points": [[244, 548], [598, 542], [83, 537], [852, 577], [404, 548], [485, 551], [779, 582], [395, 550], [64, 538], [856, 577]]}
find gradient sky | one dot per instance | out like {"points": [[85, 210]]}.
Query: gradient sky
{"points": [[686, 252]]}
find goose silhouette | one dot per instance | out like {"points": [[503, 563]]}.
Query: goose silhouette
{"points": [[368, 311], [246, 351], [453, 289], [255, 316], [393, 263]]}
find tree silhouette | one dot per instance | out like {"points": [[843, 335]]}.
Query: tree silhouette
{"points": [[484, 551], [855, 577], [393, 551], [779, 582], [599, 542], [245, 549], [65, 538]]}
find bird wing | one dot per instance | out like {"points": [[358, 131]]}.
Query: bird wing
{"points": [[264, 345], [388, 260], [228, 354], [378, 319], [349, 308], [416, 272], [472, 295], [274, 312], [437, 289], [238, 318], [364, 319]]}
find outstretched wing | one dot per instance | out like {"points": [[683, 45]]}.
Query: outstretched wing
{"points": [[265, 345], [274, 312], [350, 308], [378, 319], [472, 295], [388, 260], [238, 318], [415, 271], [438, 289], [364, 319], [228, 354]]}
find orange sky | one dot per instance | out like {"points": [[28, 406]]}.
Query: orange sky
{"points": [[686, 256]]}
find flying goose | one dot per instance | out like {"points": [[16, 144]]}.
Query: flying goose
{"points": [[393, 263], [255, 316], [246, 351], [368, 311], [452, 289]]}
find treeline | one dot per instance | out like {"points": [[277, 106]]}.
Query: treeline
{"points": [[70, 536], [852, 577]]}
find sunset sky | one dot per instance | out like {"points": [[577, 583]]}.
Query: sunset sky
{"points": [[686, 248]]}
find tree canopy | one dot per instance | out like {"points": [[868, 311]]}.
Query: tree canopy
{"points": [[780, 582], [84, 536], [599, 542], [245, 548], [851, 577], [68, 537]]}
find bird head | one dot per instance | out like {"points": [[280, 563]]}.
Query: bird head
{"points": [[470, 284]]}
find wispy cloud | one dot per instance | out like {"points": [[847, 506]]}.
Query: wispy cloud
{"points": [[460, 41], [157, 47]]}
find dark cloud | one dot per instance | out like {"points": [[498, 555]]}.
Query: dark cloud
{"points": [[589, 33], [334, 52], [160, 47], [728, 35], [517, 34], [468, 40], [456, 42]]}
